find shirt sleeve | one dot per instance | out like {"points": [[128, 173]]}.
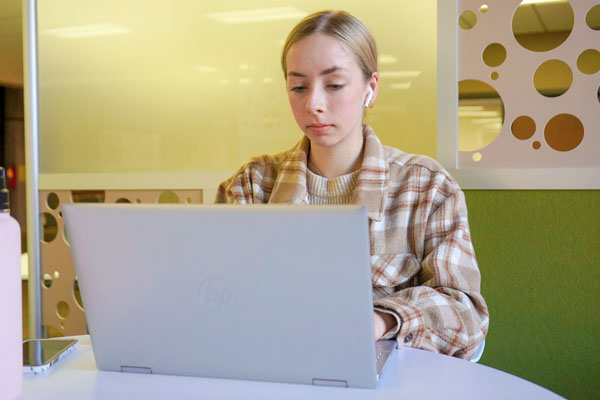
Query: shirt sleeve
{"points": [[237, 189], [446, 312]]}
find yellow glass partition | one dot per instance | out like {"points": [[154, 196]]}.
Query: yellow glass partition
{"points": [[183, 85]]}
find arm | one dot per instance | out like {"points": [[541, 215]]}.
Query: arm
{"points": [[251, 184], [447, 313], [224, 193], [237, 189]]}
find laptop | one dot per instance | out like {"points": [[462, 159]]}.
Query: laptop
{"points": [[276, 293]]}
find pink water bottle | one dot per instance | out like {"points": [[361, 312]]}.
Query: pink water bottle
{"points": [[11, 350]]}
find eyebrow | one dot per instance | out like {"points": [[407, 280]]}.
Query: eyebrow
{"points": [[324, 72]]}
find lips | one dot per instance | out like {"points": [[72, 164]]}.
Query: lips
{"points": [[320, 128]]}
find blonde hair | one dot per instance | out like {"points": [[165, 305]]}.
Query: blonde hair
{"points": [[343, 26]]}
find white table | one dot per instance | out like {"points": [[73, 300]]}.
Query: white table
{"points": [[412, 374]]}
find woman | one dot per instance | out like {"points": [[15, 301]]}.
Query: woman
{"points": [[426, 283]]}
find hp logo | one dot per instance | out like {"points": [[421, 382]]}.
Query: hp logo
{"points": [[216, 294]]}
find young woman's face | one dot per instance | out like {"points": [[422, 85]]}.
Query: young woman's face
{"points": [[326, 89]]}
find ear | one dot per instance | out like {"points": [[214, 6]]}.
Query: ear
{"points": [[368, 97], [373, 84]]}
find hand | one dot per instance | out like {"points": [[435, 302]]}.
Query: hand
{"points": [[383, 322]]}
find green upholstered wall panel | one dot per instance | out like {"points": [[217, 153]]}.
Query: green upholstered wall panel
{"points": [[539, 255]]}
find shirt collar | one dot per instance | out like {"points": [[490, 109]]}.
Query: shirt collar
{"points": [[373, 178], [290, 185]]}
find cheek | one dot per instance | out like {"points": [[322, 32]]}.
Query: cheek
{"points": [[347, 107], [297, 106]]}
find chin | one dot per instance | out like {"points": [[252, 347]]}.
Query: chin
{"points": [[322, 140]]}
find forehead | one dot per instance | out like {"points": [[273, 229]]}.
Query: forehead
{"points": [[317, 52]]}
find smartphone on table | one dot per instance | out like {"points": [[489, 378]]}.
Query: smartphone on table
{"points": [[39, 355]]}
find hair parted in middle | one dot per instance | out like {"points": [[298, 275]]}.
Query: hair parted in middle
{"points": [[343, 26]]}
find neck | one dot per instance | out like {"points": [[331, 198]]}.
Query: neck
{"points": [[341, 159]]}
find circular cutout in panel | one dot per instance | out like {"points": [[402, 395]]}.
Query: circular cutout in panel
{"points": [[47, 281], [536, 145], [50, 227], [494, 75], [52, 201], [480, 115], [588, 62], [467, 19], [138, 201], [56, 274], [77, 294], [592, 18], [523, 127], [477, 157], [563, 132], [123, 200], [168, 196], [63, 310], [188, 200], [483, 8], [532, 34], [553, 78], [494, 55]]}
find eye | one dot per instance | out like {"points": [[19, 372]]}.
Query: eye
{"points": [[298, 89], [336, 87]]}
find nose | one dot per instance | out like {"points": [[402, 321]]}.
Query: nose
{"points": [[315, 102]]}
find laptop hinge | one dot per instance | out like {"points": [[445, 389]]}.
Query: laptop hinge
{"points": [[329, 382], [137, 370]]}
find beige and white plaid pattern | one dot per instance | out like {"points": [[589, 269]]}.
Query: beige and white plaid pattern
{"points": [[424, 270]]}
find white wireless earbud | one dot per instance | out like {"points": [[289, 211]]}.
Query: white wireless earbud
{"points": [[369, 96]]}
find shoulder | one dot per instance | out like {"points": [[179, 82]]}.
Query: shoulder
{"points": [[264, 162], [264, 165], [418, 169], [406, 168], [253, 182]]}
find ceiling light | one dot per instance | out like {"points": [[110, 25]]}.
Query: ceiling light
{"points": [[480, 121], [471, 108], [256, 15], [478, 113], [400, 86], [387, 59], [494, 126], [87, 31]]}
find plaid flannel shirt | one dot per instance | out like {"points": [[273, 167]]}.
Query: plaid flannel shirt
{"points": [[424, 270]]}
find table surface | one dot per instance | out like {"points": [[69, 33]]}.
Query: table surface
{"points": [[410, 374]]}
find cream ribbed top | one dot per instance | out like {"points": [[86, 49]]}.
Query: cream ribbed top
{"points": [[338, 190]]}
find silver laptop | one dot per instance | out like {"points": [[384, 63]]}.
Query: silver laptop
{"points": [[272, 293]]}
